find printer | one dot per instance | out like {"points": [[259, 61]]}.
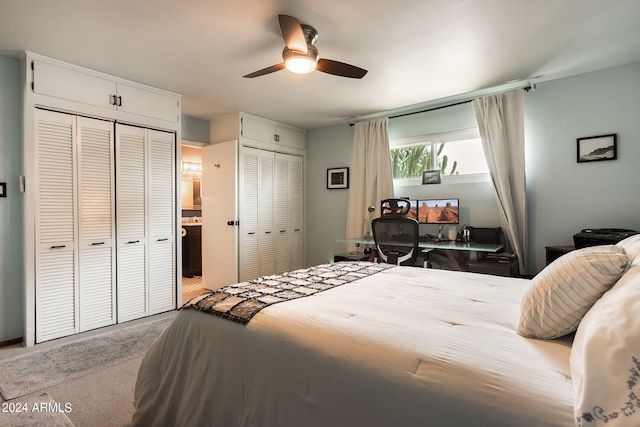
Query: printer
{"points": [[600, 236]]}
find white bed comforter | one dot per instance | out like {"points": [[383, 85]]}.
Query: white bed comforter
{"points": [[404, 347]]}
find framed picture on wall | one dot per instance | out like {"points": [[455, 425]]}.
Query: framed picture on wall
{"points": [[337, 178], [596, 148], [431, 177]]}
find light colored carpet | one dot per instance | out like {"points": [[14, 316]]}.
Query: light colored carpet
{"points": [[38, 369], [102, 399], [38, 410]]}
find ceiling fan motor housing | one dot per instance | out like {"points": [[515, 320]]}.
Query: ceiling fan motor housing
{"points": [[312, 53], [310, 34]]}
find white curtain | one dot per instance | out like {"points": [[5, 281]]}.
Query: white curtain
{"points": [[371, 179], [501, 122]]}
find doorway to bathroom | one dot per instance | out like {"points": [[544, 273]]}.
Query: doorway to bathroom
{"points": [[191, 189]]}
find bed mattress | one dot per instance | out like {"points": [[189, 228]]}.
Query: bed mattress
{"points": [[403, 347]]}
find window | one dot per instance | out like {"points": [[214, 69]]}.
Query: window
{"points": [[458, 155]]}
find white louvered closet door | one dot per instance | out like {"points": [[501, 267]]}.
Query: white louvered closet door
{"points": [[281, 218], [296, 212], [96, 220], [266, 237], [162, 276], [131, 208], [56, 227], [248, 255]]}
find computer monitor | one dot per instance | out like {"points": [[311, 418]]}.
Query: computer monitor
{"points": [[413, 209], [438, 211]]}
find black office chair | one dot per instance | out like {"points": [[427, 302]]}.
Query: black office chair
{"points": [[396, 239], [394, 207]]}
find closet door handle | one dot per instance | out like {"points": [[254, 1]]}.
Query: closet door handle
{"points": [[58, 247], [130, 242], [97, 243], [251, 233], [119, 101], [267, 232], [283, 231], [164, 239], [297, 229], [114, 100]]}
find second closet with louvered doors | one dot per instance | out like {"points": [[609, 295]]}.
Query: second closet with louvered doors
{"points": [[271, 213], [145, 161], [288, 212], [257, 244], [75, 273]]}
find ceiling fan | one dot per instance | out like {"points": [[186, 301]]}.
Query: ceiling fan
{"points": [[301, 56]]}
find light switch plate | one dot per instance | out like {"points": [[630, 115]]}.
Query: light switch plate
{"points": [[3, 189]]}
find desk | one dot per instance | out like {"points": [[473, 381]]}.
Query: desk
{"points": [[470, 247], [449, 262]]}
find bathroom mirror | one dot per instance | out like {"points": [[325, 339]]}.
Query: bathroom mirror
{"points": [[191, 193]]}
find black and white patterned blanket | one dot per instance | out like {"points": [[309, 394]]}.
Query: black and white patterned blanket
{"points": [[242, 301]]}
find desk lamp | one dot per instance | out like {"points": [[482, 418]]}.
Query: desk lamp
{"points": [[367, 225]]}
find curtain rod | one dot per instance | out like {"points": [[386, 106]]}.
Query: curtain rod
{"points": [[526, 88]]}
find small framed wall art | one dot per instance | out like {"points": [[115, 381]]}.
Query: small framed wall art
{"points": [[337, 178], [596, 148], [431, 177]]}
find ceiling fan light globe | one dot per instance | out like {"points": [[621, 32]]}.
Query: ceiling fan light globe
{"points": [[300, 64]]}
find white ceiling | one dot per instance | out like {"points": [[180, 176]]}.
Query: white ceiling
{"points": [[416, 51]]}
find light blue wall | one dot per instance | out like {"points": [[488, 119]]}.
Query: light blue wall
{"points": [[563, 197], [326, 210], [195, 129], [11, 262]]}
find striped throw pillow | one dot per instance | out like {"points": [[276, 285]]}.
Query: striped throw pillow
{"points": [[560, 295], [631, 247]]}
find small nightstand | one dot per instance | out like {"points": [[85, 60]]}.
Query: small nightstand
{"points": [[555, 252]]}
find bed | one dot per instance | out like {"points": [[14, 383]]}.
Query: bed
{"points": [[401, 346]]}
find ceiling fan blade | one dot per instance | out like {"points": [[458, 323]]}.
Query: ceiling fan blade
{"points": [[341, 69], [292, 33], [264, 71]]}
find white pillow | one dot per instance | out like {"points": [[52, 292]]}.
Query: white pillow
{"points": [[561, 294], [631, 247], [605, 358]]}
